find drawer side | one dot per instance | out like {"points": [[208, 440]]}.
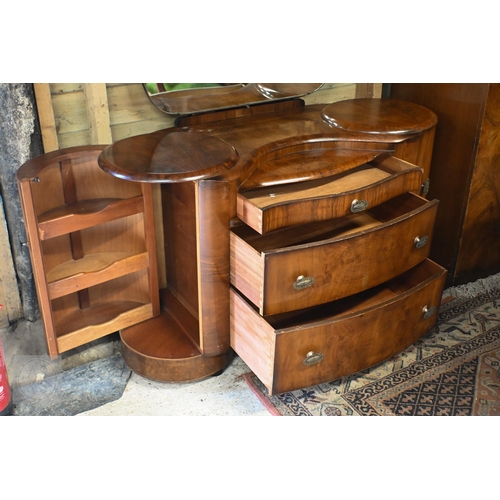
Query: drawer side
{"points": [[252, 338], [246, 269]]}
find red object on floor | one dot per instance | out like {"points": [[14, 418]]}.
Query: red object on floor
{"points": [[5, 394]]}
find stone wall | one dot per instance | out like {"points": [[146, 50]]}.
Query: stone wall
{"points": [[20, 140]]}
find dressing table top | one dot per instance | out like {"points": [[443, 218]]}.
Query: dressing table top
{"points": [[229, 149]]}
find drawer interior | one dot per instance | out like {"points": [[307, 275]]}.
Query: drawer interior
{"points": [[305, 234], [304, 198], [355, 179], [375, 297]]}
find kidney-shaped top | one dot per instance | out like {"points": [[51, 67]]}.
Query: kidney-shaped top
{"points": [[168, 156]]}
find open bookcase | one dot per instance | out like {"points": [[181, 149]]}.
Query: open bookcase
{"points": [[92, 245]]}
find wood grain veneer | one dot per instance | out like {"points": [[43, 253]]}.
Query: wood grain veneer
{"points": [[353, 334], [221, 226], [92, 246]]}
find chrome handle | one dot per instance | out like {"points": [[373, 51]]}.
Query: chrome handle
{"points": [[428, 311], [421, 242], [303, 282], [358, 206], [313, 358]]}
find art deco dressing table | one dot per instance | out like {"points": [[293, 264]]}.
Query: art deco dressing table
{"points": [[295, 235]]}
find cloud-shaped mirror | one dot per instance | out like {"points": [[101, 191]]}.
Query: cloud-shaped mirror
{"points": [[189, 98]]}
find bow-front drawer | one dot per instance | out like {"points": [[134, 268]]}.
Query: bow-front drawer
{"points": [[295, 350], [312, 264], [269, 208]]}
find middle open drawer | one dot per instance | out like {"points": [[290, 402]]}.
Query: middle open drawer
{"points": [[315, 263]]}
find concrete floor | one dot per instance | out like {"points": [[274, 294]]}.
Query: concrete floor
{"points": [[31, 371], [225, 395]]}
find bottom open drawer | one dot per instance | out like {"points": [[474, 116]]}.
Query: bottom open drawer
{"points": [[315, 345]]}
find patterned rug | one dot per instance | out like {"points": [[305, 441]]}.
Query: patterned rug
{"points": [[453, 371]]}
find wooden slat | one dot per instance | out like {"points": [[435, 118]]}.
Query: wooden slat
{"points": [[30, 219], [96, 99], [75, 329], [46, 117], [149, 232], [212, 203], [365, 90], [88, 273], [160, 240], [68, 220], [9, 291]]}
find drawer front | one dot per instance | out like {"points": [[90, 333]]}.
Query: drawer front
{"points": [[271, 208], [305, 275], [353, 339]]}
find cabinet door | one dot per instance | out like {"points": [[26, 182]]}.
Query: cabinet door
{"points": [[92, 247]]}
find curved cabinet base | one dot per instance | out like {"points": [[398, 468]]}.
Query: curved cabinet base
{"points": [[157, 349]]}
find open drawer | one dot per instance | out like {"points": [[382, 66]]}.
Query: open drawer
{"points": [[312, 264], [269, 208], [304, 348]]}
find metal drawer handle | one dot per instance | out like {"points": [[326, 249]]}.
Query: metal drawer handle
{"points": [[313, 358], [421, 242], [425, 187], [303, 282], [358, 206], [428, 311]]}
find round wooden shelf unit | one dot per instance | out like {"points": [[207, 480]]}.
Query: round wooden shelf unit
{"points": [[159, 350]]}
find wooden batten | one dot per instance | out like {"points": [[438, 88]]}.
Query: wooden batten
{"points": [[96, 100], [366, 90], [46, 117], [10, 308]]}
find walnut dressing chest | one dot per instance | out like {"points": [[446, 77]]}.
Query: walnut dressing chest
{"points": [[296, 236]]}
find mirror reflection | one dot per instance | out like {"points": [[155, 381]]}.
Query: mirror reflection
{"points": [[189, 98]]}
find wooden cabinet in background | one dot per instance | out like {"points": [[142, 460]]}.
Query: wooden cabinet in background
{"points": [[92, 245], [465, 174]]}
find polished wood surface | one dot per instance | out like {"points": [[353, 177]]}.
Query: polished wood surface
{"points": [[246, 143], [213, 195], [308, 162], [268, 209], [159, 349], [82, 215], [179, 230], [350, 335], [213, 205], [169, 156], [379, 116], [479, 253], [344, 256], [92, 247], [464, 175], [80, 274]]}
